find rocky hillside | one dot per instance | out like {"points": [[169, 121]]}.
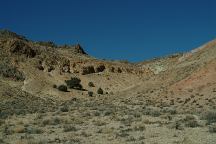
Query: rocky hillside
{"points": [[59, 94], [36, 67], [182, 78]]}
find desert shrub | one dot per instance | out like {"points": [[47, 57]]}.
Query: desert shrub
{"points": [[99, 123], [40, 67], [119, 70], [176, 125], [53, 121], [100, 91], [169, 110], [131, 139], [2, 122], [46, 122], [55, 86], [191, 121], [212, 128], [3, 114], [91, 84], [85, 134], [122, 134], [210, 117], [64, 109], [152, 111], [63, 88], [19, 129], [108, 112], [74, 83], [10, 71], [32, 130], [100, 68], [32, 141], [136, 114], [69, 128], [8, 130], [47, 43], [139, 128], [88, 70], [111, 93], [90, 93], [111, 69], [51, 68], [141, 138], [97, 113]]}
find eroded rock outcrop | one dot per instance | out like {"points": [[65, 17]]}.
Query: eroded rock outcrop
{"points": [[21, 48], [65, 66], [78, 49]]}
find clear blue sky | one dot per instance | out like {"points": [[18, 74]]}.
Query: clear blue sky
{"points": [[115, 29]]}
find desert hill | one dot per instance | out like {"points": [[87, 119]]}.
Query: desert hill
{"points": [[45, 88]]}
